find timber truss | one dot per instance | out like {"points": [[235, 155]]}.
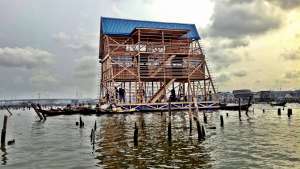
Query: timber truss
{"points": [[151, 63]]}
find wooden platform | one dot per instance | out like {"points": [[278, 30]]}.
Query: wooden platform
{"points": [[208, 105]]}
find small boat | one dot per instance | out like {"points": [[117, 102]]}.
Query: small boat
{"points": [[235, 107], [281, 103]]}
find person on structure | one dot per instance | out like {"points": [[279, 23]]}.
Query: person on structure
{"points": [[141, 95], [173, 95], [122, 95], [107, 97], [209, 96]]}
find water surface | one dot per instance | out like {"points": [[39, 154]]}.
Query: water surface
{"points": [[264, 140]]}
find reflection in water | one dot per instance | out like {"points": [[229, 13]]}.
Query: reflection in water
{"points": [[116, 148], [3, 156], [262, 141]]}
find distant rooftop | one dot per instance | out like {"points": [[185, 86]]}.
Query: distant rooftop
{"points": [[124, 27]]}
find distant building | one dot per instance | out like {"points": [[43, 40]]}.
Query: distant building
{"points": [[244, 94], [226, 97], [265, 96]]}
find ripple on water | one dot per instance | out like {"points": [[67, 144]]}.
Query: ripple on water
{"points": [[264, 141]]}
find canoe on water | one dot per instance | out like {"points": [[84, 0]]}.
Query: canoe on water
{"points": [[283, 103], [234, 107]]}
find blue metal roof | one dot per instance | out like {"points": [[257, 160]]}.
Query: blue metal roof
{"points": [[124, 27]]}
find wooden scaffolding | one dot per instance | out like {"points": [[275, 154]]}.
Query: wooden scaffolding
{"points": [[153, 63]]}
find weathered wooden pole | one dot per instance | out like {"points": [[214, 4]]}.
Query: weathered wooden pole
{"points": [[191, 126], [95, 126], [240, 109], [169, 108], [226, 114], [81, 123], [3, 133], [249, 102], [169, 132], [263, 110], [135, 135], [92, 135], [279, 111], [290, 112], [200, 136], [221, 121], [204, 118], [143, 123], [203, 132]]}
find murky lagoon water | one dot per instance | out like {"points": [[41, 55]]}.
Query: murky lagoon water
{"points": [[265, 140]]}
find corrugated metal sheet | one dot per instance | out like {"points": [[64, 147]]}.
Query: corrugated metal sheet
{"points": [[123, 27]]}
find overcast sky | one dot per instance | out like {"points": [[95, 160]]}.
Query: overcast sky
{"points": [[51, 46]]}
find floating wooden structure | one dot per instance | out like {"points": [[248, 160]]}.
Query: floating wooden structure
{"points": [[152, 61]]}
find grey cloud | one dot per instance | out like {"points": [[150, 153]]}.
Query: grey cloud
{"points": [[291, 54], [44, 80], [222, 78], [235, 20], [286, 4], [86, 67], [86, 43], [222, 59], [240, 73], [85, 74], [24, 57]]}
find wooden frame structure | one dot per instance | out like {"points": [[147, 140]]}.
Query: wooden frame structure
{"points": [[150, 62]]}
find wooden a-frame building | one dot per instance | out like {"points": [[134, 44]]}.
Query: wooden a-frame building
{"points": [[149, 59]]}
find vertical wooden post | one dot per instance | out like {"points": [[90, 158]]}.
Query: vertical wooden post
{"points": [[95, 126], [279, 111], [152, 91], [135, 135], [3, 133], [290, 112], [92, 134], [129, 92], [203, 132], [204, 118], [200, 136], [169, 108], [81, 123], [222, 121], [240, 109], [249, 102]]}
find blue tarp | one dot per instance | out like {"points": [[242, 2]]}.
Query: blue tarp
{"points": [[124, 27]]}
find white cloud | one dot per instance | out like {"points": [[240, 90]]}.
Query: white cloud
{"points": [[24, 57]]}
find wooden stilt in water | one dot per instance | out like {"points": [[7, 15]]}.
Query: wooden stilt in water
{"points": [[204, 118], [290, 112], [169, 108], [92, 134], [37, 111], [240, 116], [95, 126], [221, 121], [169, 132], [226, 114], [81, 123], [135, 135], [249, 102], [3, 133], [200, 136], [203, 132], [279, 112], [191, 126]]}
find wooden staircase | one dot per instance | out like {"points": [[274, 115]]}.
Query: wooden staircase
{"points": [[160, 93]]}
